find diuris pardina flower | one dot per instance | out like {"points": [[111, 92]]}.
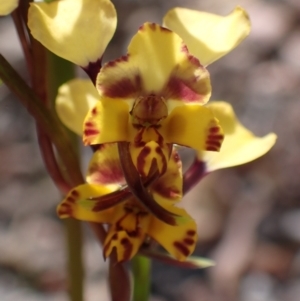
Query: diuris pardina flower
{"points": [[151, 98], [130, 224]]}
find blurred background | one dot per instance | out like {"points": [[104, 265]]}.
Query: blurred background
{"points": [[248, 217]]}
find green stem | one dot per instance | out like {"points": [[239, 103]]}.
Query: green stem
{"points": [[74, 252], [141, 267], [59, 71]]}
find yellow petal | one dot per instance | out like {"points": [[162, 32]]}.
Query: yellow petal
{"points": [[74, 100], [106, 122], [7, 6], [78, 31], [194, 126], [77, 204], [149, 146], [169, 185], [127, 231], [157, 63], [208, 36], [105, 167], [240, 145], [179, 241], [126, 245]]}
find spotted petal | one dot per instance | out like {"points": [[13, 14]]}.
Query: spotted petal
{"points": [[78, 31], [149, 146], [208, 36], [157, 62], [105, 167], [74, 100], [7, 6], [127, 232], [240, 145], [107, 121], [169, 186], [194, 126], [77, 204], [179, 241]]}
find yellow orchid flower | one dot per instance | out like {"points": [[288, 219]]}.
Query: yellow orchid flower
{"points": [[130, 224], [153, 97], [240, 146], [156, 104], [7, 6]]}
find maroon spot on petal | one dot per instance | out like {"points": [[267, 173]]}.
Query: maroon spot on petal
{"points": [[179, 89], [141, 160], [65, 209], [166, 191], [163, 158], [111, 64], [142, 27], [115, 236], [184, 48], [123, 88], [153, 26], [89, 124], [91, 132], [75, 193], [189, 241], [125, 241], [214, 143], [123, 58], [176, 157], [194, 60], [107, 173], [215, 137], [181, 248], [164, 29], [211, 148], [214, 129], [134, 233], [127, 250], [94, 111], [70, 199], [191, 232], [160, 139]]}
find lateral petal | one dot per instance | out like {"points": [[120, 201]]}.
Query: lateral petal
{"points": [[194, 126], [77, 204], [105, 167], [240, 145], [106, 122], [179, 241], [169, 185]]}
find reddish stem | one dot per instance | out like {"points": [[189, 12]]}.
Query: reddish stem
{"points": [[193, 175]]}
